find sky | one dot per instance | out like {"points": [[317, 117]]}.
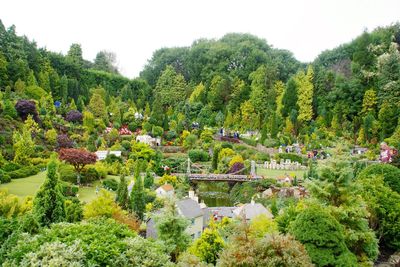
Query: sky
{"points": [[135, 29]]}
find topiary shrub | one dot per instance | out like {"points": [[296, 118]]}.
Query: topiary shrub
{"points": [[69, 189], [196, 155], [110, 184]]}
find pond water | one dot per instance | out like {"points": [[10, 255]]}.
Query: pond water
{"points": [[214, 194]]}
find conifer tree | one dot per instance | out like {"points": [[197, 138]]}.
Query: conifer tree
{"points": [[138, 204], [148, 180], [305, 95], [122, 192], [48, 205]]}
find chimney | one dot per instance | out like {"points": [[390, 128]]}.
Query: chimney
{"points": [[191, 194], [196, 199]]}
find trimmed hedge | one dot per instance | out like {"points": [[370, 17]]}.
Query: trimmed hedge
{"points": [[110, 184], [196, 155], [26, 171], [11, 166]]}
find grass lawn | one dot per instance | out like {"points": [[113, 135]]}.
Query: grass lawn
{"points": [[25, 186], [30, 185], [275, 173]]}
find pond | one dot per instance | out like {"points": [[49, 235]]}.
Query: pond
{"points": [[214, 194]]}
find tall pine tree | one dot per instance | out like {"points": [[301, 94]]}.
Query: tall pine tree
{"points": [[122, 193]]}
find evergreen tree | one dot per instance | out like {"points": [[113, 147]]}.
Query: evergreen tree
{"points": [[369, 102], [48, 204], [122, 192], [138, 204], [289, 100], [23, 145], [171, 230], [97, 106], [305, 91], [388, 115], [148, 179]]}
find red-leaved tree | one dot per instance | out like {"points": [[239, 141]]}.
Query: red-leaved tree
{"points": [[77, 158]]}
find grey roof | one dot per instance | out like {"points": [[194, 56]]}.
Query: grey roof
{"points": [[222, 211], [189, 208], [251, 210]]}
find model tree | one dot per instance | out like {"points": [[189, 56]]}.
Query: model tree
{"points": [[78, 158]]}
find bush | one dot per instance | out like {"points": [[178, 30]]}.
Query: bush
{"points": [[198, 155], [11, 166], [250, 142], [4, 177], [271, 143], [110, 184], [126, 145], [25, 171], [390, 174], [262, 157], [292, 157], [67, 173], [171, 135], [90, 174], [69, 189]]}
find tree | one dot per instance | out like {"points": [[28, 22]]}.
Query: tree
{"points": [[106, 61], [148, 179], [74, 116], [74, 55], [242, 249], [305, 92], [63, 141], [171, 230], [324, 241], [389, 173], [262, 94], [122, 193], [171, 88], [335, 186], [208, 245], [48, 204], [97, 106], [78, 158], [289, 100], [261, 225], [25, 108], [249, 116], [9, 109], [23, 145], [369, 102], [389, 76], [279, 88], [388, 116], [138, 204], [384, 207], [88, 121], [198, 94], [51, 136]]}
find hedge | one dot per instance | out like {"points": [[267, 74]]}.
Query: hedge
{"points": [[250, 142], [69, 189], [26, 171], [196, 155], [4, 177], [110, 184]]}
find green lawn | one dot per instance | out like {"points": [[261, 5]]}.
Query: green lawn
{"points": [[25, 186], [29, 186], [275, 173]]}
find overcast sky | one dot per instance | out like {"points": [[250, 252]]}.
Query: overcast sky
{"points": [[135, 29]]}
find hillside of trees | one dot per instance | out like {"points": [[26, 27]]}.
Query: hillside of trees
{"points": [[226, 106]]}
